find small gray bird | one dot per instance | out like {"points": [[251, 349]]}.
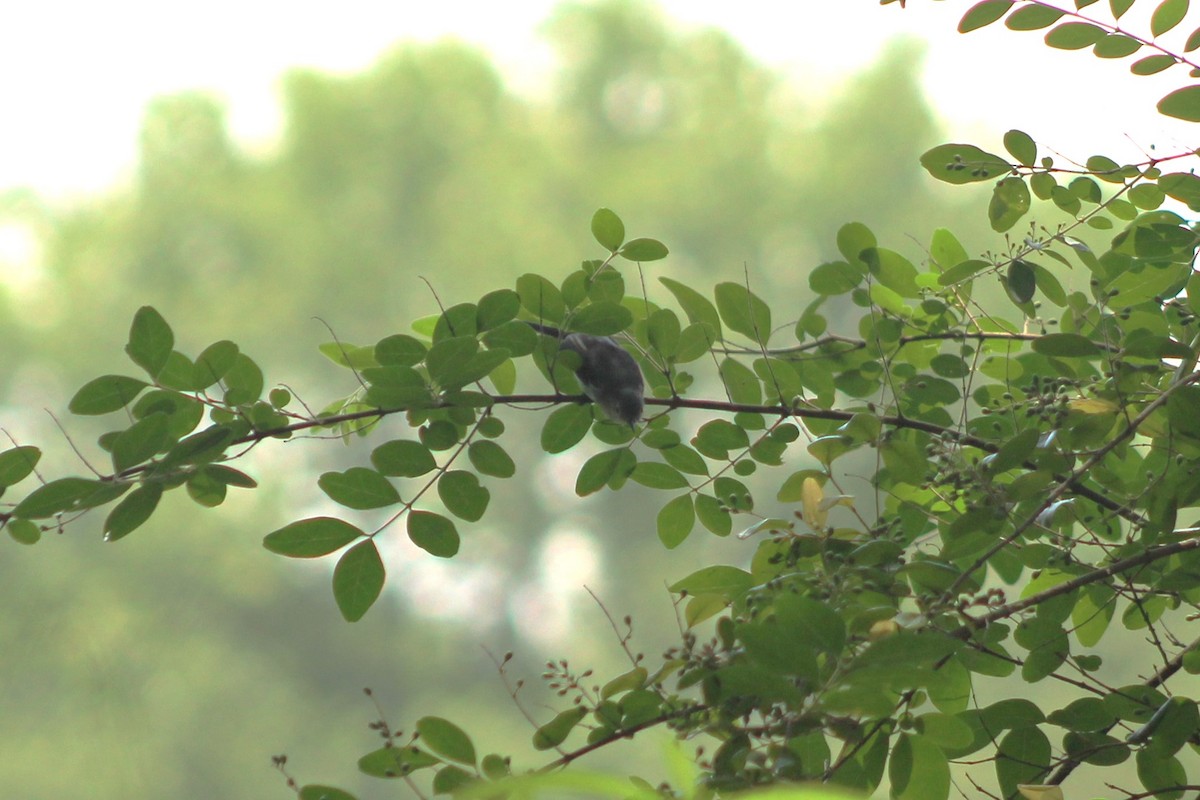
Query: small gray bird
{"points": [[608, 374]]}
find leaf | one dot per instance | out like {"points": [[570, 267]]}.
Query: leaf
{"points": [[743, 311], [556, 731], [150, 340], [611, 466], [446, 739], [212, 364], [834, 278], [105, 394], [608, 229], [1075, 35], [643, 250], [462, 495], [1065, 345], [963, 163], [1116, 45], [17, 463], [675, 521], [243, 381], [1021, 282], [1167, 15], [984, 13], [1119, 7], [1152, 65], [140, 441], [1032, 18], [720, 580], [565, 427], [433, 533], [491, 459], [314, 791], [1021, 147], [133, 511], [918, 769], [695, 305], [892, 270], [312, 537], [359, 488], [656, 475], [67, 494], [1182, 104], [1010, 202], [396, 762], [601, 319], [397, 350], [541, 298], [403, 458], [1023, 757], [358, 579]]}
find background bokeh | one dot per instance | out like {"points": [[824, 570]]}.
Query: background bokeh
{"points": [[178, 661]]}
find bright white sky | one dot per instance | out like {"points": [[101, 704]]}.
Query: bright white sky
{"points": [[75, 76]]}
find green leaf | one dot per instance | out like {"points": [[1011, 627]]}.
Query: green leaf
{"points": [[1167, 15], [212, 364], [713, 515], [541, 298], [1119, 7], [918, 770], [403, 458], [608, 229], [663, 331], [892, 270], [359, 488], [1075, 35], [675, 521], [1010, 202], [314, 791], [1032, 18], [491, 459], [1065, 345], [67, 494], [852, 239], [963, 163], [656, 475], [396, 762], [1020, 145], [446, 358], [556, 731], [984, 13], [565, 427], [643, 250], [23, 531], [743, 311], [1182, 103], [1152, 65], [462, 495], [397, 350], [741, 382], [150, 340], [728, 582], [1021, 282], [1023, 757], [962, 271], [449, 779], [1116, 45], [17, 463], [611, 466], [140, 441], [243, 381], [695, 305], [1193, 41], [312, 537], [496, 308], [105, 394], [446, 739], [834, 278], [130, 513], [433, 533], [358, 580], [601, 319], [349, 355]]}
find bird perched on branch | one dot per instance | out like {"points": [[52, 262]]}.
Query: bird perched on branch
{"points": [[607, 373]]}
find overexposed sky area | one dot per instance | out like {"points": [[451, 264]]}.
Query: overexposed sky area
{"points": [[75, 76]]}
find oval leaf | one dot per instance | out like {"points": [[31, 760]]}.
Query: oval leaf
{"points": [[358, 580], [311, 538]]}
